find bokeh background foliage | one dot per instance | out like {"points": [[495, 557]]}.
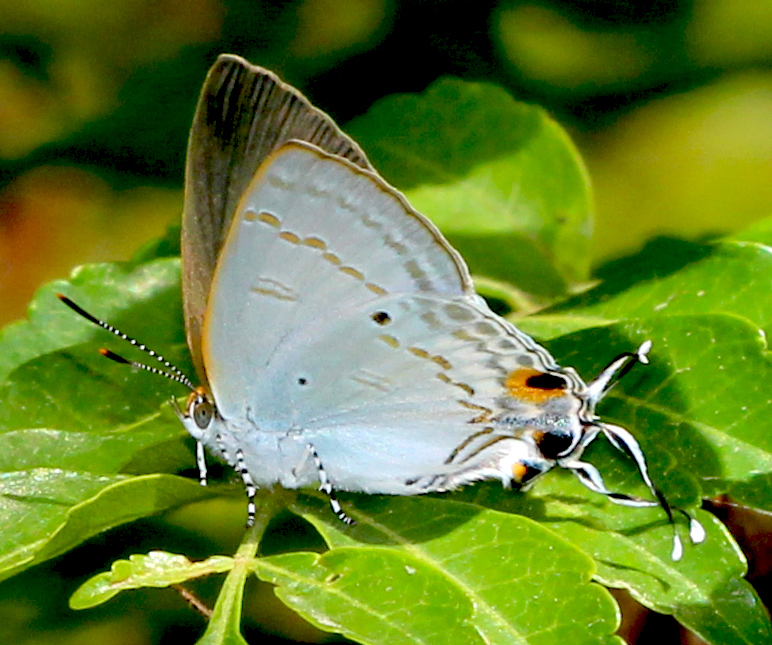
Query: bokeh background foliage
{"points": [[668, 104]]}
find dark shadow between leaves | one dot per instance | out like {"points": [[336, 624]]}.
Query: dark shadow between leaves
{"points": [[664, 585], [386, 520]]}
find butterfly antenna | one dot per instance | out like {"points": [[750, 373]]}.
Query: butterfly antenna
{"points": [[174, 373], [179, 378]]}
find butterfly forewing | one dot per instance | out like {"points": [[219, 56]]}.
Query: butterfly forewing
{"points": [[244, 113], [314, 236]]}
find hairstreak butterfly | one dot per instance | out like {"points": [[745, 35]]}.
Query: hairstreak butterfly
{"points": [[337, 334]]}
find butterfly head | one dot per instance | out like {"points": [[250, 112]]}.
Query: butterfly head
{"points": [[200, 414]]}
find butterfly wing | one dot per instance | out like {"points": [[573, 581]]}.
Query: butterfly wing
{"points": [[244, 113], [314, 235], [341, 317], [412, 392]]}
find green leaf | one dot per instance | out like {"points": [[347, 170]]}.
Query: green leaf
{"points": [[433, 571], [700, 409], [50, 511], [224, 627], [631, 550], [71, 421], [156, 569], [501, 179], [673, 277]]}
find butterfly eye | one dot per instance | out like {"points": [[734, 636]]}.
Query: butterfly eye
{"points": [[202, 411]]}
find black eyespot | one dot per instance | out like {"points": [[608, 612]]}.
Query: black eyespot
{"points": [[381, 317], [546, 382], [203, 411], [554, 444], [531, 472], [302, 380]]}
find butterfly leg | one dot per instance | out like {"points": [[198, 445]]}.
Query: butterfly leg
{"points": [[200, 450], [201, 463], [326, 486], [241, 469], [309, 450]]}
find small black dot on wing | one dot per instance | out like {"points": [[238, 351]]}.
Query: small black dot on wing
{"points": [[381, 317]]}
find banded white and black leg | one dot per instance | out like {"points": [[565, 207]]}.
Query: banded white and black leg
{"points": [[241, 469], [201, 462], [326, 486]]}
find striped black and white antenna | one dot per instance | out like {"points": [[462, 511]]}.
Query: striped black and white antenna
{"points": [[173, 373]]}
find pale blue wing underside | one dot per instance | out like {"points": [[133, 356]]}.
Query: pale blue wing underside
{"points": [[340, 317], [313, 235], [388, 403]]}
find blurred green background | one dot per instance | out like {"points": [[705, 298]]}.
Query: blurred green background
{"points": [[669, 102]]}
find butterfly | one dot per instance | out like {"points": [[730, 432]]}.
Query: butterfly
{"points": [[337, 335]]}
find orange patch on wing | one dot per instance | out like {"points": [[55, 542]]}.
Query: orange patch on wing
{"points": [[376, 289], [315, 243], [289, 236], [517, 386], [519, 471], [266, 218]]}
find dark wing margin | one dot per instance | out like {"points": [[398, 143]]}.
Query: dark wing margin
{"points": [[244, 113]]}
